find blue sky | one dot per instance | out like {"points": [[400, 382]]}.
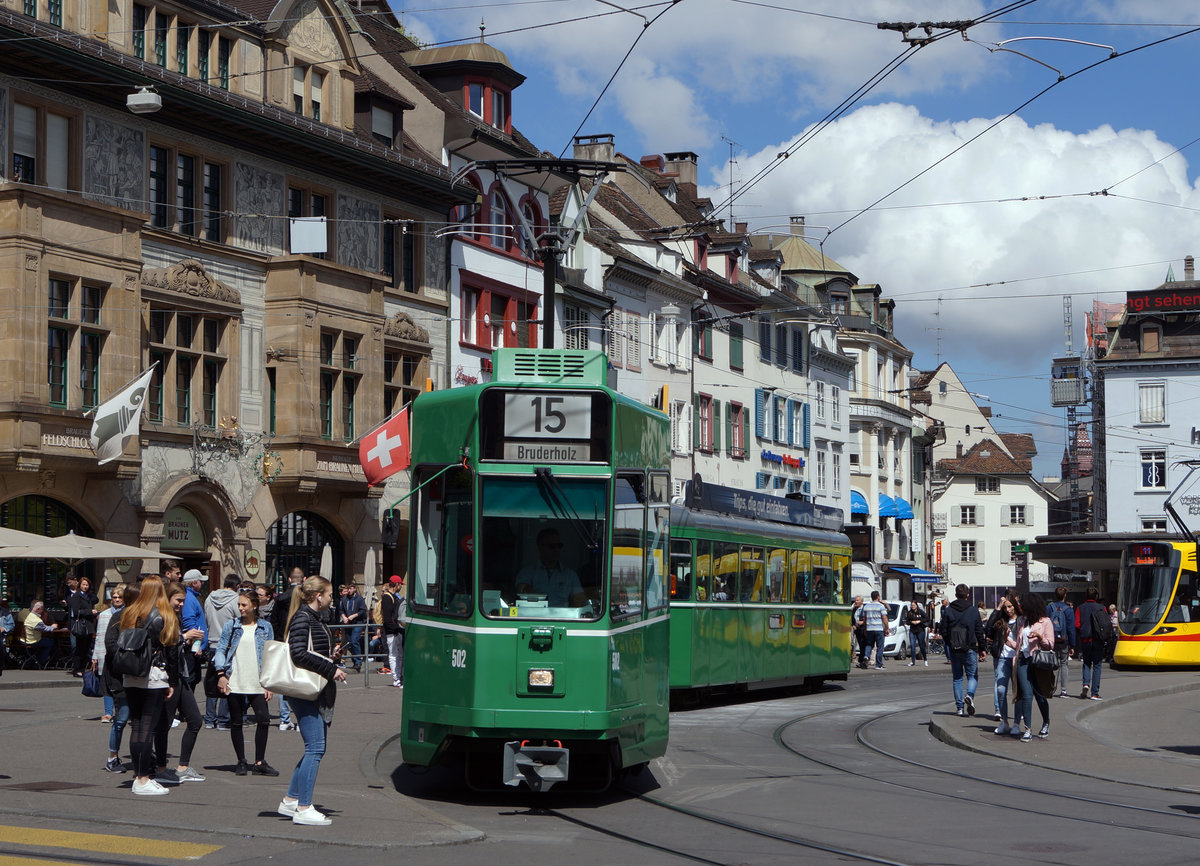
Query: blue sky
{"points": [[980, 250]]}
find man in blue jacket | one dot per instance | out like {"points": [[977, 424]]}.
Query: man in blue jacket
{"points": [[962, 630], [353, 614], [193, 607], [1063, 617]]}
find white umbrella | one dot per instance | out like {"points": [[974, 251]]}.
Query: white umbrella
{"points": [[17, 538], [369, 568], [327, 562], [73, 548]]}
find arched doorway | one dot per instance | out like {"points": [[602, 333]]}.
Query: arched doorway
{"points": [[297, 539], [28, 579]]}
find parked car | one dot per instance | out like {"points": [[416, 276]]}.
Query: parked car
{"points": [[896, 645]]}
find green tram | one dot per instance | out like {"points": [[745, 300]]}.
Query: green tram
{"points": [[758, 588], [537, 640]]}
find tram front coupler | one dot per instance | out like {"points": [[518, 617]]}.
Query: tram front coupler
{"points": [[538, 766]]}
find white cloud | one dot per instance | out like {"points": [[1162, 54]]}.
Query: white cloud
{"points": [[918, 254]]}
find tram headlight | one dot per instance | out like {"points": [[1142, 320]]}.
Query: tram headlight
{"points": [[541, 678]]}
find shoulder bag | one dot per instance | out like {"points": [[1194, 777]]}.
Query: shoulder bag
{"points": [[1044, 659], [279, 674]]}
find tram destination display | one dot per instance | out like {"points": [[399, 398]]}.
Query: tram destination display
{"points": [[547, 427]]}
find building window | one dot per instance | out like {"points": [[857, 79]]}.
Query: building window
{"points": [[399, 254], [704, 431], [835, 404], [764, 339], [575, 327], [820, 401], [494, 316], [339, 384], [176, 182], [141, 17], [162, 28], [781, 345], [736, 426], [54, 8], [1016, 515], [1154, 469], [224, 49], [41, 142], [183, 38], [797, 350], [1151, 340], [966, 515], [986, 484], [29, 7], [839, 304], [783, 429], [821, 478], [703, 331], [735, 346], [837, 472], [1154, 524], [303, 203], [488, 103], [681, 426], [1152, 402], [404, 375], [75, 339], [383, 125], [203, 47], [1012, 550], [190, 350], [966, 551]]}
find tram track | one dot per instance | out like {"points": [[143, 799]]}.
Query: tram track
{"points": [[875, 778]]}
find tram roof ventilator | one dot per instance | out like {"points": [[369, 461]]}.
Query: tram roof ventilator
{"points": [[575, 367]]}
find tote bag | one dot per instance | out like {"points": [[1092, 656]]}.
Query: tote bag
{"points": [[280, 674]]}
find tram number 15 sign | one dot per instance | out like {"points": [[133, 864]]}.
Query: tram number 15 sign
{"points": [[551, 426]]}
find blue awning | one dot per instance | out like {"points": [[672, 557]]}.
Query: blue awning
{"points": [[906, 512], [918, 575], [887, 506], [858, 503]]}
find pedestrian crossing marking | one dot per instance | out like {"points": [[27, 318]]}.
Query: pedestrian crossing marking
{"points": [[131, 846]]}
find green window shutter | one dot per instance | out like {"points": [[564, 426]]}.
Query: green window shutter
{"points": [[716, 426]]}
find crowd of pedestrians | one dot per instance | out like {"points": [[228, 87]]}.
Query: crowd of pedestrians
{"points": [[218, 641]]}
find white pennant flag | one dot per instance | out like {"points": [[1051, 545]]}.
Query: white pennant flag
{"points": [[116, 420]]}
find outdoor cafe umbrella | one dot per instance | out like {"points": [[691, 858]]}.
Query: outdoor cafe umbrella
{"points": [[369, 577], [327, 563], [17, 538], [71, 548]]}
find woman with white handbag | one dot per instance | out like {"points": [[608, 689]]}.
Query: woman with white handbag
{"points": [[238, 661], [312, 648]]}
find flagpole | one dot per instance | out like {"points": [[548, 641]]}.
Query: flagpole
{"points": [[375, 427], [122, 388]]}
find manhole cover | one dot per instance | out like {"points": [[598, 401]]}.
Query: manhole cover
{"points": [[46, 787]]}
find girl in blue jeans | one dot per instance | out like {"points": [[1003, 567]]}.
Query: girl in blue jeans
{"points": [[1004, 644], [305, 630]]}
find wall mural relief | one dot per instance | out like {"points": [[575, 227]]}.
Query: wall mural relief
{"points": [[258, 197], [114, 158], [5, 168], [358, 233]]}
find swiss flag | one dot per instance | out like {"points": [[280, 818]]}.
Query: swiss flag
{"points": [[386, 450]]}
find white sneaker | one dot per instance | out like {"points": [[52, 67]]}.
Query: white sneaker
{"points": [[311, 817], [287, 809], [150, 789], [926, 662]]}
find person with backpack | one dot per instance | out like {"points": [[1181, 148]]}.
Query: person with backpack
{"points": [[1063, 620], [1094, 628], [962, 629]]}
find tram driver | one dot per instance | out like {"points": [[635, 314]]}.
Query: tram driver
{"points": [[550, 577]]}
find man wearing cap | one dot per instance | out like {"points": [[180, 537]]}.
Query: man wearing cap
{"points": [[392, 612], [193, 607]]}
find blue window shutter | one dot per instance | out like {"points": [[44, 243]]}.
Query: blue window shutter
{"points": [[788, 411], [760, 405], [761, 479], [807, 426]]}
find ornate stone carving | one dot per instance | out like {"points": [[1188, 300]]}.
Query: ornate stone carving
{"points": [[31, 261], [402, 326], [114, 163], [358, 233], [258, 196], [188, 277], [311, 32]]}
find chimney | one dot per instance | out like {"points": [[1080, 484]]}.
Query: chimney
{"points": [[683, 164], [798, 226], [958, 450], [654, 162], [594, 147], [1189, 268], [741, 228]]}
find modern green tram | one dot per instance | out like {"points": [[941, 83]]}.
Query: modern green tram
{"points": [[759, 592], [537, 640]]}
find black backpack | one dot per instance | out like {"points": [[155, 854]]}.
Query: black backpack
{"points": [[1102, 629], [134, 652]]}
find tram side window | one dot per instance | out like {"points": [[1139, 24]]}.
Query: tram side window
{"points": [[681, 570], [776, 584], [659, 523], [752, 574], [703, 570], [802, 572], [841, 584], [441, 577], [1184, 609], [725, 571], [822, 592], [628, 546]]}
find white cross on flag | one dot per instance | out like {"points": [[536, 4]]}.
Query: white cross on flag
{"points": [[385, 450]]}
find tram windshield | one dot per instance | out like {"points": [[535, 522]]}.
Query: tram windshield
{"points": [[1147, 591], [539, 547]]}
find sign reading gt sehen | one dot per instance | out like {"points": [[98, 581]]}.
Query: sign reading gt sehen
{"points": [[553, 427], [1163, 301]]}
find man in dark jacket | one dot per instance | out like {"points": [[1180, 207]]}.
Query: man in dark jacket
{"points": [[962, 631], [1091, 646], [354, 615]]}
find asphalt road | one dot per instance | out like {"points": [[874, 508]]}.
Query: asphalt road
{"points": [[851, 774]]}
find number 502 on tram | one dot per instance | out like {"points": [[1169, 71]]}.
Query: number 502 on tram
{"points": [[536, 649]]}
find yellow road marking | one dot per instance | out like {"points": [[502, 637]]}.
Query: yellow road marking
{"points": [[25, 861], [133, 846]]}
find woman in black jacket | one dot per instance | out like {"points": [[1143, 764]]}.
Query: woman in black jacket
{"points": [[146, 695], [82, 608], [312, 648]]}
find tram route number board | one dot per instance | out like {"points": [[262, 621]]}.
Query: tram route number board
{"points": [[547, 427]]}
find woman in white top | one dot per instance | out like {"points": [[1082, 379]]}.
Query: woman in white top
{"points": [[1004, 637], [116, 602], [238, 660]]}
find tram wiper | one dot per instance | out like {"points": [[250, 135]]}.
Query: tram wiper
{"points": [[559, 499]]}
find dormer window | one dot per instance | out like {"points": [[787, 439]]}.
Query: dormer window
{"points": [[839, 305], [383, 125], [308, 90], [489, 103], [701, 254], [1151, 339]]}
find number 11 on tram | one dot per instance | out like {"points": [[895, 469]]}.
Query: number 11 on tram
{"points": [[536, 650]]}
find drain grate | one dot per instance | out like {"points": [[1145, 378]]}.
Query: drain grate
{"points": [[47, 787]]}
